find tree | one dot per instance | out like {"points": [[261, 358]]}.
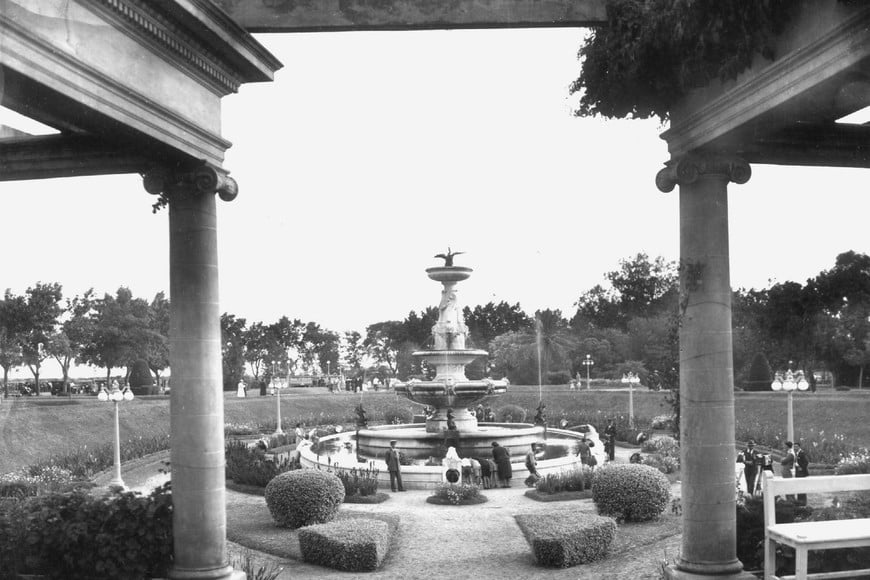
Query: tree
{"points": [[554, 342], [747, 334], [486, 322], [120, 330], [12, 316], [383, 341], [77, 332], [327, 350], [513, 358], [156, 353], [140, 376], [639, 288], [64, 351], [843, 294], [417, 329], [760, 375], [288, 337], [41, 317], [655, 341], [597, 308], [353, 351], [232, 350], [258, 346], [526, 356]]}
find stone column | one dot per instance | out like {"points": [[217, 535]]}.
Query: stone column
{"points": [[707, 449], [196, 403]]}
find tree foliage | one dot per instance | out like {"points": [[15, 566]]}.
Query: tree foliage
{"points": [[41, 312], [651, 53], [119, 330], [232, 349], [639, 288]]}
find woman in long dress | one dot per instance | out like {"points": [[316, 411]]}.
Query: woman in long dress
{"points": [[502, 458]]}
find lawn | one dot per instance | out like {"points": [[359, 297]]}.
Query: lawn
{"points": [[32, 428]]}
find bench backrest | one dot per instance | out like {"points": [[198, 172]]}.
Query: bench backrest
{"points": [[774, 486]]}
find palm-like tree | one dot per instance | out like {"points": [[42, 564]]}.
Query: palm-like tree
{"points": [[551, 340]]}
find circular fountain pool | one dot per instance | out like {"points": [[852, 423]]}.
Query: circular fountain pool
{"points": [[340, 452]]}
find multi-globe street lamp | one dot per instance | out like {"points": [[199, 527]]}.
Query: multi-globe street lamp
{"points": [[631, 379], [789, 382], [116, 395], [588, 362]]}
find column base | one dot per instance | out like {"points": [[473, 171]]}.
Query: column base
{"points": [[227, 573], [674, 573]]}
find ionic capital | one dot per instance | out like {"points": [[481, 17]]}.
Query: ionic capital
{"points": [[690, 168], [205, 179]]}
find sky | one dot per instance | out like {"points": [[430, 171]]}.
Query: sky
{"points": [[371, 152]]}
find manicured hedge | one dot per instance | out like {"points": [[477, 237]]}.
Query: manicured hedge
{"points": [[630, 492], [76, 535], [304, 497], [353, 545], [567, 538]]}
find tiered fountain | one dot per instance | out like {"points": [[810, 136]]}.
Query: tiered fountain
{"points": [[451, 394]]}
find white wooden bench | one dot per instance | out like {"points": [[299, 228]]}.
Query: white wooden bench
{"points": [[806, 536]]}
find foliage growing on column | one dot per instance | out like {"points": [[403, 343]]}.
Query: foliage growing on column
{"points": [[652, 52]]}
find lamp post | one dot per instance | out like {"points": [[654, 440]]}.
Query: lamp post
{"points": [[789, 383], [277, 385], [632, 379], [588, 362], [116, 396]]}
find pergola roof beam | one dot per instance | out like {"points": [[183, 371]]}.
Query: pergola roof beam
{"points": [[341, 15]]}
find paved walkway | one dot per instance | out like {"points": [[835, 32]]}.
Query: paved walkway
{"points": [[481, 541]]}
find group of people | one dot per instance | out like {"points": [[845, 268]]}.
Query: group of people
{"points": [[794, 463], [480, 471], [484, 414]]}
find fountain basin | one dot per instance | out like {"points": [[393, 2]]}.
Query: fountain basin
{"points": [[559, 454], [449, 273], [450, 393], [420, 445]]}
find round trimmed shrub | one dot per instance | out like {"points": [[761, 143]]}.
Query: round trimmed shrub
{"points": [[511, 414], [760, 374], [630, 492], [304, 497]]}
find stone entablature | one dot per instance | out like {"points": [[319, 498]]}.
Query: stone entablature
{"points": [[153, 71], [327, 15]]}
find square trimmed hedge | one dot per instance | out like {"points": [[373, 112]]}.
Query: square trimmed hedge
{"points": [[566, 539], [353, 544]]}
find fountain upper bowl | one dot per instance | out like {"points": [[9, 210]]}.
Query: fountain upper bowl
{"points": [[449, 273]]}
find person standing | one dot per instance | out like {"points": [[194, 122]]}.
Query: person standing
{"points": [[610, 433], [394, 466], [786, 466], [502, 458], [583, 451], [241, 389], [532, 462], [751, 458], [801, 469]]}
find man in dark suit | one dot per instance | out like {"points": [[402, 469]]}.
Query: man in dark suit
{"points": [[394, 466], [801, 468]]}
